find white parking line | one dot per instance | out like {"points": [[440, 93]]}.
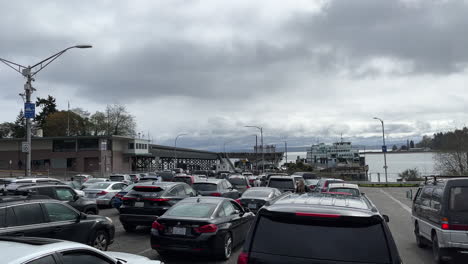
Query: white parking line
{"points": [[404, 206]]}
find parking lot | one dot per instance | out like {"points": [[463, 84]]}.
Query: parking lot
{"points": [[390, 201]]}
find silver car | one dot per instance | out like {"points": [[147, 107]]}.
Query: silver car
{"points": [[92, 181], [104, 192]]}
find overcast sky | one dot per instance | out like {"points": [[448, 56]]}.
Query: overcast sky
{"points": [[304, 70]]}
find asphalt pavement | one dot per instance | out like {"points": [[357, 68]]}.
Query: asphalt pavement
{"points": [[389, 201]]}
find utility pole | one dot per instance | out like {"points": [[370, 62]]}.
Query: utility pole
{"points": [[261, 142], [286, 150], [384, 148], [29, 72], [175, 149]]}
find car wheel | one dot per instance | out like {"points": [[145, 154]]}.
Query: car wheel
{"points": [[226, 250], [436, 251], [90, 212], [129, 228], [100, 240], [419, 239]]}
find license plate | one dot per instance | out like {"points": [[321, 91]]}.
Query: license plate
{"points": [[139, 204], [252, 206], [178, 230]]}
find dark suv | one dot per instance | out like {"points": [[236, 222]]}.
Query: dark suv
{"points": [[440, 216], [62, 193], [319, 228], [149, 200], [49, 218]]}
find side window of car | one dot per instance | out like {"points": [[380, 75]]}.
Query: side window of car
{"points": [[7, 217], [221, 212], [227, 185], [426, 196], [49, 192], [79, 257], [228, 208], [117, 186], [59, 212], [172, 192], [237, 207], [28, 214], [417, 196], [180, 191], [436, 198], [44, 260], [189, 191], [64, 194]]}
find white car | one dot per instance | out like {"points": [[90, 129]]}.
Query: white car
{"points": [[348, 188], [33, 250]]}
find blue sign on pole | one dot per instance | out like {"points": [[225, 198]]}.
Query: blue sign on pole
{"points": [[29, 110], [384, 148]]}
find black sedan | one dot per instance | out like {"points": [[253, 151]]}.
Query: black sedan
{"points": [[208, 225], [148, 200], [256, 197]]}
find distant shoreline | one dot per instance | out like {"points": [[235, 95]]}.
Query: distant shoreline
{"points": [[398, 152]]}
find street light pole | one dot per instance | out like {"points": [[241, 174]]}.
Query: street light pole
{"points": [[29, 72], [175, 149], [286, 150], [261, 142], [384, 150]]}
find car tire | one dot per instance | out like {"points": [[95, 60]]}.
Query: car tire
{"points": [[437, 252], [129, 228], [100, 240], [225, 252], [419, 239], [90, 212]]}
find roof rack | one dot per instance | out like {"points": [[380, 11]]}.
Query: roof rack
{"points": [[16, 198], [439, 177]]}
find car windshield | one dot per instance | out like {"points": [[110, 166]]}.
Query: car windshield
{"points": [[183, 179], [281, 183], [458, 198], [236, 181], [117, 178], [257, 194], [205, 186], [99, 185], [330, 240], [351, 191], [196, 210]]}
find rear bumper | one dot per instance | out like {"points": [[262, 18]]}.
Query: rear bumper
{"points": [[205, 243], [456, 240], [135, 219], [103, 201]]}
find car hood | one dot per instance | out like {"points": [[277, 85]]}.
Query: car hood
{"points": [[132, 259]]}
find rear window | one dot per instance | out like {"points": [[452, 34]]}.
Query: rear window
{"points": [[325, 240], [237, 181], [205, 187], [117, 178], [197, 210], [458, 198], [281, 183], [256, 193], [153, 191], [345, 190], [99, 185], [183, 179], [311, 182]]}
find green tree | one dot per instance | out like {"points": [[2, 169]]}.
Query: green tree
{"points": [[411, 144], [426, 142], [56, 124], [410, 175], [19, 126], [6, 129], [48, 106], [98, 124]]}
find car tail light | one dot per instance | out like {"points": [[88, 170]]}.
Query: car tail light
{"points": [[217, 194], [318, 215], [211, 228], [238, 201], [243, 258], [128, 198], [118, 195], [248, 186], [101, 193], [157, 226], [157, 199], [445, 226]]}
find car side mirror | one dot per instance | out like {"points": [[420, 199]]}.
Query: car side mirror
{"points": [[76, 197], [386, 218], [80, 217]]}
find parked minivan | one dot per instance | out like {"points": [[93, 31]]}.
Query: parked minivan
{"points": [[440, 216]]}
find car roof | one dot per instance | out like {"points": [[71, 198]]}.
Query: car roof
{"points": [[23, 249], [17, 199], [237, 176], [284, 176], [158, 184], [43, 186], [324, 203], [261, 189], [205, 199], [212, 181], [343, 185], [32, 178]]}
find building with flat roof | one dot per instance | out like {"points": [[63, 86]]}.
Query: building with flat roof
{"points": [[99, 155]]}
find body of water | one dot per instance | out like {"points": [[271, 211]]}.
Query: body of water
{"points": [[396, 162]]}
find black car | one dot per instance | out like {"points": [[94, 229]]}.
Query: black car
{"points": [[217, 188], [209, 225], [319, 228], [440, 217], [256, 197], [149, 200], [49, 218], [62, 193]]}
